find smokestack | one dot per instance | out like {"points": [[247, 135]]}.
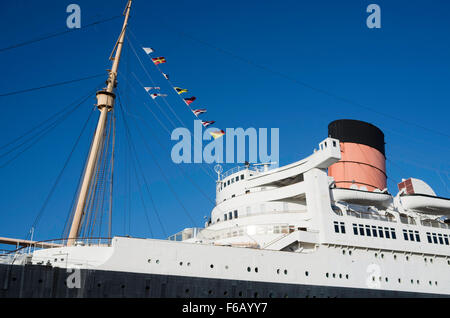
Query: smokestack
{"points": [[363, 162]]}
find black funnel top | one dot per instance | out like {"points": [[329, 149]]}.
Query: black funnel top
{"points": [[358, 132]]}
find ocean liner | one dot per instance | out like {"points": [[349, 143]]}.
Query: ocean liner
{"points": [[323, 226]]}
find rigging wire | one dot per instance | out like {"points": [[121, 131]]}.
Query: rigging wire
{"points": [[306, 85], [58, 178], [37, 137], [162, 172], [48, 36], [51, 85]]}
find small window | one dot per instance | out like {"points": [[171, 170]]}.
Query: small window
{"points": [[230, 215], [380, 231], [355, 229], [237, 178], [361, 230], [342, 227], [411, 235], [225, 217], [334, 143], [368, 230], [429, 237], [225, 184], [235, 214], [386, 232], [242, 177], [417, 236], [405, 235], [247, 191], [434, 238], [441, 241], [446, 239], [393, 235], [232, 180], [228, 182], [374, 231], [336, 227]]}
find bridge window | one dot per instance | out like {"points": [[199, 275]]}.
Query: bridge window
{"points": [[368, 230], [429, 237], [386, 232], [235, 214], [380, 231], [230, 215], [355, 229], [242, 177], [405, 235], [374, 231], [237, 178], [417, 236], [342, 227], [361, 229], [393, 235]]}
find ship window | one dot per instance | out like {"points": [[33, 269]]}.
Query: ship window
{"points": [[242, 177], [368, 230], [342, 228], [232, 180], [235, 214], [230, 215], [405, 235], [361, 230], [224, 184], [446, 239], [393, 234], [225, 217], [380, 231], [325, 144], [374, 231], [417, 236], [386, 232], [355, 229], [228, 182], [434, 238], [429, 237], [411, 235], [334, 143], [336, 227], [441, 241], [237, 178]]}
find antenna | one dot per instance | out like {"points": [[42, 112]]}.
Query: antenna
{"points": [[218, 169]]}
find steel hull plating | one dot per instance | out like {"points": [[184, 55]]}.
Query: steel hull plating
{"points": [[34, 281]]}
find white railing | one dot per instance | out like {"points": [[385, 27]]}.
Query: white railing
{"points": [[237, 169]]}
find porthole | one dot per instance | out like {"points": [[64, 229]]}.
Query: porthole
{"points": [[435, 283], [285, 272], [327, 275], [412, 281], [249, 269], [431, 260], [399, 280], [382, 255], [334, 275], [386, 279], [181, 263], [278, 271], [226, 266], [376, 255], [240, 294], [306, 273], [349, 252], [346, 276], [425, 259], [431, 284], [343, 252], [210, 292], [407, 258], [188, 264], [340, 275], [395, 256], [187, 291], [256, 269], [157, 261], [211, 266], [225, 293], [418, 282], [149, 260]]}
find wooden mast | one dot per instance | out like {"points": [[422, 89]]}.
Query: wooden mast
{"points": [[105, 103]]}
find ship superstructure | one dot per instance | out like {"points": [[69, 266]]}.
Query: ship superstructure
{"points": [[323, 226]]}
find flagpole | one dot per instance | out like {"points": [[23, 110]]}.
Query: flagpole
{"points": [[105, 103]]}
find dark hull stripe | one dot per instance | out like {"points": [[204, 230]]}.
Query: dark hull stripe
{"points": [[33, 281]]}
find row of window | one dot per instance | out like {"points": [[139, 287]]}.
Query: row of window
{"points": [[231, 181], [229, 216], [374, 231], [410, 235], [437, 238]]}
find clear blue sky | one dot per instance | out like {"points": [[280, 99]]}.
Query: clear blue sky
{"points": [[402, 69]]}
